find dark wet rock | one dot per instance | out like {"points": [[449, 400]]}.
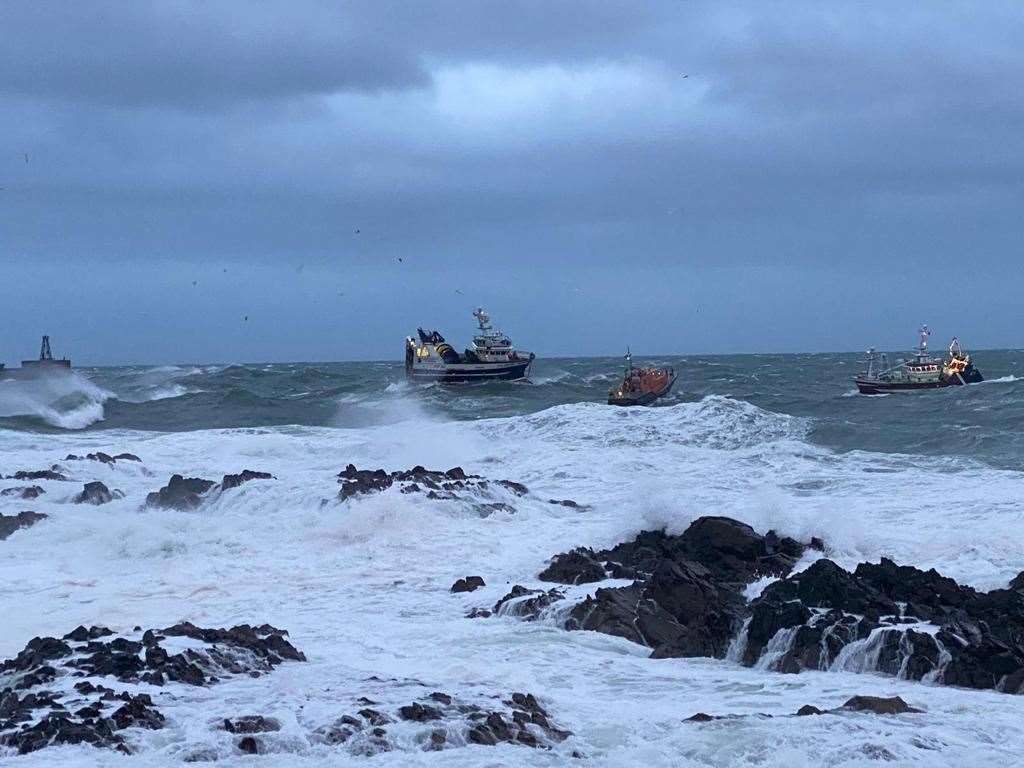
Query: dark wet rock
{"points": [[180, 493], [11, 523], [373, 717], [526, 603], [57, 728], [485, 510], [893, 705], [233, 481], [359, 481], [517, 488], [521, 721], [449, 485], [687, 598], [701, 717], [93, 713], [976, 640], [732, 551], [578, 566], [138, 712], [81, 634], [468, 584], [566, 503], [103, 458], [43, 474], [678, 611], [251, 724], [809, 709], [249, 745], [24, 492], [1017, 583], [96, 493], [419, 713]]}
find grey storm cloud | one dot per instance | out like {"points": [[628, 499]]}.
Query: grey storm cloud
{"points": [[714, 146]]}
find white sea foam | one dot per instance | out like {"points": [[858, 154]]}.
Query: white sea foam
{"points": [[363, 586], [65, 400]]}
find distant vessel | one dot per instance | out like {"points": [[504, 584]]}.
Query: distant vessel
{"points": [[922, 371], [642, 386], [45, 365], [491, 358]]}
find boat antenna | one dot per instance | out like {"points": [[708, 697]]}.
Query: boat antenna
{"points": [[44, 349], [629, 360], [924, 334], [482, 318]]}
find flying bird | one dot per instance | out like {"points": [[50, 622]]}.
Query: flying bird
{"points": [[400, 260], [246, 318], [194, 283], [458, 291], [685, 76], [26, 157], [357, 231]]}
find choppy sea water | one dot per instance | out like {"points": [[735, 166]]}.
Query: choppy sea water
{"points": [[932, 479]]}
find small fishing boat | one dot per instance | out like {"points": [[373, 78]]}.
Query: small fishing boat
{"points": [[642, 386], [491, 358], [921, 371]]}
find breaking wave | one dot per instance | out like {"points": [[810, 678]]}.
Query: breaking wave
{"points": [[65, 401]]}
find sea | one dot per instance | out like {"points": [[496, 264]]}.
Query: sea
{"points": [[933, 479]]}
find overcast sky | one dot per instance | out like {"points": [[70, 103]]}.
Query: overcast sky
{"points": [[677, 176]]}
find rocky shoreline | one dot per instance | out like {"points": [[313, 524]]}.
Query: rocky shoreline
{"points": [[687, 599]]}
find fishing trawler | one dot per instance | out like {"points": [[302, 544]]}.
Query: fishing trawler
{"points": [[641, 386], [46, 364], [491, 357], [922, 371]]}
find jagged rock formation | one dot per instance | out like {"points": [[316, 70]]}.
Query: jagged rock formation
{"points": [[452, 484], [445, 723], [37, 711], [97, 493], [11, 523], [38, 474], [468, 584], [180, 493], [103, 458], [233, 481], [186, 494], [900, 620], [687, 599]]}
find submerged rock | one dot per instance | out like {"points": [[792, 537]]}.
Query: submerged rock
{"points": [[97, 493], [525, 603], [11, 523], [446, 723], [892, 705], [435, 484], [251, 724], [468, 584], [103, 458], [24, 492], [180, 493], [41, 474], [233, 481]]}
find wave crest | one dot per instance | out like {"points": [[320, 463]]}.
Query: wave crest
{"points": [[65, 401]]}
